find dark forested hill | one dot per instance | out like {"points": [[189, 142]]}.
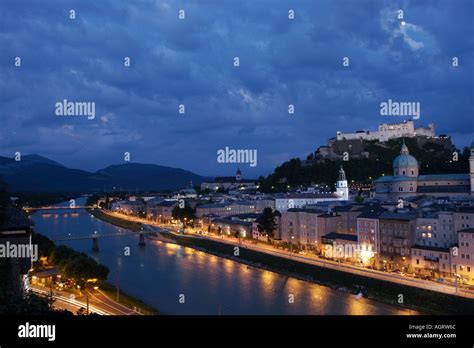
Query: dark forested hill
{"points": [[432, 158]]}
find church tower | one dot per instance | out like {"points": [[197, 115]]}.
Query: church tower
{"points": [[238, 175], [341, 186], [471, 167], [405, 164]]}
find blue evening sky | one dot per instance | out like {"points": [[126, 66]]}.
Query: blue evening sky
{"points": [[190, 62]]}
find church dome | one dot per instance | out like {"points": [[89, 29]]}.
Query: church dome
{"points": [[404, 163]]}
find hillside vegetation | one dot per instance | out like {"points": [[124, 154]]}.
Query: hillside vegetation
{"points": [[432, 158]]}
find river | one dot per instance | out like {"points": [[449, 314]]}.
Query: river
{"points": [[160, 273]]}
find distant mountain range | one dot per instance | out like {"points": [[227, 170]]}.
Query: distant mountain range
{"points": [[37, 173]]}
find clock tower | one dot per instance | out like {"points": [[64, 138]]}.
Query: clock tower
{"points": [[341, 186]]}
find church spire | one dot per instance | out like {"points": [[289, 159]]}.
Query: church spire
{"points": [[342, 174], [404, 149]]}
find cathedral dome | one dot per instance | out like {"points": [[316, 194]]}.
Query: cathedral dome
{"points": [[405, 161], [405, 164]]}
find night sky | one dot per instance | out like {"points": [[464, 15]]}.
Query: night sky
{"points": [[191, 61]]}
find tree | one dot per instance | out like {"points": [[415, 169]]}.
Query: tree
{"points": [[77, 265], [91, 200], [266, 223], [183, 213]]}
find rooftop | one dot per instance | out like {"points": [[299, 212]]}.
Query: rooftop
{"points": [[343, 236], [230, 179], [467, 230], [305, 210], [429, 177], [244, 216], [46, 273], [213, 205], [314, 195], [465, 210], [327, 215], [370, 214], [422, 247], [166, 203], [232, 222], [398, 216], [343, 208], [444, 177], [443, 188]]}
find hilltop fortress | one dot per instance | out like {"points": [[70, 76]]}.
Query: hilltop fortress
{"points": [[389, 131], [355, 143]]}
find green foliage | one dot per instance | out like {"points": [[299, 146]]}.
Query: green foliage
{"points": [[91, 200], [34, 199], [45, 245], [182, 213], [71, 263], [77, 265], [266, 222]]}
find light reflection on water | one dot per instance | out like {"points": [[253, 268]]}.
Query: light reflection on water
{"points": [[159, 272]]}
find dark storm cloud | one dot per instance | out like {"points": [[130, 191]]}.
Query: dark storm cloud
{"points": [[190, 62]]}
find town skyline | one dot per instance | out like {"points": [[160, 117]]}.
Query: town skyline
{"points": [[241, 162], [226, 168]]}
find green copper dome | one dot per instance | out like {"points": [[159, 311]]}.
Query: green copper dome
{"points": [[404, 159]]}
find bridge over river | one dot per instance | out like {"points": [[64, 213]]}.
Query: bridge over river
{"points": [[96, 236], [76, 207]]}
